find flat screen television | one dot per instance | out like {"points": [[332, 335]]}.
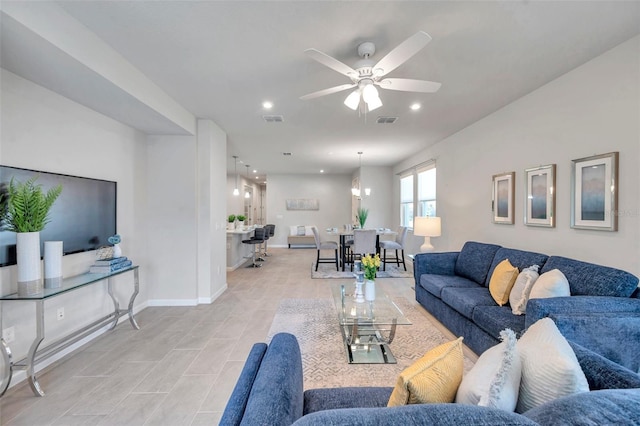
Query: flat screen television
{"points": [[83, 216]]}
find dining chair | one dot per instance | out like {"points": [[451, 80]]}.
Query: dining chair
{"points": [[325, 245], [396, 245], [364, 242]]}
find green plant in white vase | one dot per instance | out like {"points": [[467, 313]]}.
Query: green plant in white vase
{"points": [[241, 218], [25, 211], [361, 217]]}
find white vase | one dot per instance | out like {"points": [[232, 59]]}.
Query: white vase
{"points": [[52, 264], [117, 251], [28, 259], [358, 295], [231, 226], [370, 290]]}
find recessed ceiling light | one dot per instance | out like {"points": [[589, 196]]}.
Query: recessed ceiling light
{"points": [[267, 105], [255, 171], [415, 107], [321, 171]]}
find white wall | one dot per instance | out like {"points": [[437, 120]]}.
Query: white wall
{"points": [[593, 109], [380, 180], [332, 192], [44, 131]]}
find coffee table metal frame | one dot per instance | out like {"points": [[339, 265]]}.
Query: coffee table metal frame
{"points": [[368, 327]]}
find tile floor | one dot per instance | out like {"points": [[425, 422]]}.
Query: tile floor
{"points": [[181, 366]]}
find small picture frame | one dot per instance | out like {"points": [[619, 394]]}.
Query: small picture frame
{"points": [[502, 198], [594, 192], [540, 196]]}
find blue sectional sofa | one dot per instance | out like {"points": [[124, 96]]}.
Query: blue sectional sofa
{"points": [[602, 313], [270, 392]]}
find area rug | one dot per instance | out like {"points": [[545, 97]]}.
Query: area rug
{"points": [[328, 270], [324, 361]]}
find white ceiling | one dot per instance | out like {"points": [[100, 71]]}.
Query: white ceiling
{"points": [[222, 59]]}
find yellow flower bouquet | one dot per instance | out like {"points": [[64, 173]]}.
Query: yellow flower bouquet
{"points": [[370, 265]]}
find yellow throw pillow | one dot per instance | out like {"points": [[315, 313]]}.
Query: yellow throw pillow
{"points": [[434, 378], [502, 279]]}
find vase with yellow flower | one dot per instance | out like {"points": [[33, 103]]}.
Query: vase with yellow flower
{"points": [[370, 264]]}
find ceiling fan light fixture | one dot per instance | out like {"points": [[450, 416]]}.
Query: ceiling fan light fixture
{"points": [[353, 100], [369, 93], [374, 103]]}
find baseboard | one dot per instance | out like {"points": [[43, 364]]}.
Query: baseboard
{"points": [[210, 300], [173, 302]]}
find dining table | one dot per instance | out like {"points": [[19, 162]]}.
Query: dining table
{"points": [[344, 233]]}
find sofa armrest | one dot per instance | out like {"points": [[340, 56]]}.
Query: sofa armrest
{"points": [[276, 394], [415, 414], [434, 263], [602, 373], [541, 308], [234, 410]]}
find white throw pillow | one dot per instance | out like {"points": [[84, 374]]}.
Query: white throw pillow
{"points": [[550, 284], [522, 288], [550, 368], [494, 380], [308, 231], [302, 231], [293, 230]]}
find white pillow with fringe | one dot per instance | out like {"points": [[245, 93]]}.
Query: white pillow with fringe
{"points": [[521, 289], [494, 380]]}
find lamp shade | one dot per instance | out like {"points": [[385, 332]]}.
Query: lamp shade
{"points": [[427, 226]]}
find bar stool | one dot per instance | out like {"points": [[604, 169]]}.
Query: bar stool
{"points": [[256, 240], [270, 231]]}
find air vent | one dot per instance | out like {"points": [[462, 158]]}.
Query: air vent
{"points": [[386, 120], [286, 154], [273, 118]]}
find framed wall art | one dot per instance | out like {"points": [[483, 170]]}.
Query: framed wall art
{"points": [[594, 192], [540, 193], [502, 198], [303, 204]]}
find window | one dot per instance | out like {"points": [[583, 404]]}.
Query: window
{"points": [[427, 192], [406, 201], [417, 193]]}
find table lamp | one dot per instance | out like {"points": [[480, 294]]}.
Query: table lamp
{"points": [[427, 227]]}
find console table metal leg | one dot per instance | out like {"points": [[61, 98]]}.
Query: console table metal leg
{"points": [[116, 306], [31, 373], [8, 366], [136, 287]]}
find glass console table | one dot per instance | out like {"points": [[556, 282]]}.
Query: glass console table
{"points": [[368, 327], [36, 354]]}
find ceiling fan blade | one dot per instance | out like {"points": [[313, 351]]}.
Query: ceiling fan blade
{"points": [[328, 91], [402, 53], [330, 62], [409, 85]]}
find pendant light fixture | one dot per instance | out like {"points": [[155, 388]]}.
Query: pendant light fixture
{"points": [[236, 192], [355, 191], [246, 193]]}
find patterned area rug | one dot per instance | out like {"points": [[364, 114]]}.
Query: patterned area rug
{"points": [[314, 323], [328, 270]]}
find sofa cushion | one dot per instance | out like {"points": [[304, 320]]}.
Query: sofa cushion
{"points": [[604, 407], [518, 258], [474, 260], [550, 368], [552, 283], [603, 373], [594, 332], [435, 283], [347, 397], [502, 279], [433, 378], [494, 380], [589, 279], [465, 300], [494, 319], [433, 414]]}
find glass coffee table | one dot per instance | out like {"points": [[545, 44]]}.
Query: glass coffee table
{"points": [[368, 327]]}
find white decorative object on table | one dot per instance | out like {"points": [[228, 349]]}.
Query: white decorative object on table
{"points": [[370, 290], [358, 294], [52, 264], [28, 259], [115, 240]]}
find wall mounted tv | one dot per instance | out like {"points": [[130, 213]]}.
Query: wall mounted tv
{"points": [[83, 216]]}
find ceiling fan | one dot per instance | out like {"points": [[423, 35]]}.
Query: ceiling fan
{"points": [[366, 74]]}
